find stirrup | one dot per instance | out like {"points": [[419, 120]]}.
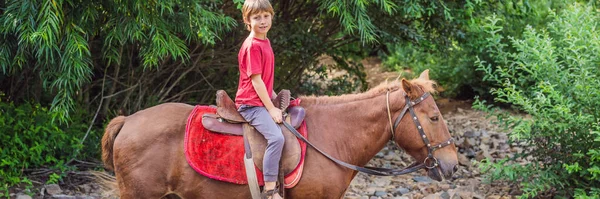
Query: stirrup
{"points": [[266, 194]]}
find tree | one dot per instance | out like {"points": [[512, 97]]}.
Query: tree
{"points": [[68, 42]]}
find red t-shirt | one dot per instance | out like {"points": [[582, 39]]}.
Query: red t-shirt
{"points": [[255, 57]]}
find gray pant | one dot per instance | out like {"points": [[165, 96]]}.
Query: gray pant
{"points": [[261, 120]]}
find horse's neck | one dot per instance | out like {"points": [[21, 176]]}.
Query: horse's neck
{"points": [[351, 131]]}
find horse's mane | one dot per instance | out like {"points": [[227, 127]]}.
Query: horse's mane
{"points": [[425, 85]]}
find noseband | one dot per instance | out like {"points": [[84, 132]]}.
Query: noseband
{"points": [[409, 106], [385, 171]]}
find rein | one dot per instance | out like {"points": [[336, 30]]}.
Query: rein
{"points": [[385, 171]]}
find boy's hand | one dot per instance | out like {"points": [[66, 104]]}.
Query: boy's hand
{"points": [[276, 115]]}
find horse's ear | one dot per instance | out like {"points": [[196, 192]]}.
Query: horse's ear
{"points": [[409, 88], [424, 75]]}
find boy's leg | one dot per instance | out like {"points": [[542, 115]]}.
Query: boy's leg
{"points": [[260, 119]]}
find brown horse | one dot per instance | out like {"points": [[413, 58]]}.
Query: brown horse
{"points": [[146, 149]]}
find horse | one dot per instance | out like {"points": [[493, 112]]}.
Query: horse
{"points": [[146, 149]]}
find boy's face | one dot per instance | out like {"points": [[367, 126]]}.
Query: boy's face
{"points": [[260, 23]]}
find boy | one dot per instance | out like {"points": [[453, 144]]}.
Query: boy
{"points": [[256, 64]]}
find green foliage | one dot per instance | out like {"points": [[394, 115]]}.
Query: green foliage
{"points": [[582, 194], [31, 140], [552, 75], [355, 17], [408, 56], [54, 38], [319, 83], [453, 49]]}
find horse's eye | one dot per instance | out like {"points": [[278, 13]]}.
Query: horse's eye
{"points": [[434, 118]]}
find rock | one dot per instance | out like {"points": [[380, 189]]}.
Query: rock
{"points": [[453, 194], [495, 144], [445, 187], [422, 179], [401, 197], [470, 153], [445, 195], [85, 197], [370, 191], [493, 197], [485, 139], [432, 196], [381, 181], [472, 134], [63, 197], [468, 143], [477, 196], [85, 188], [469, 187], [431, 188], [402, 190], [53, 189], [463, 160], [380, 193], [465, 194], [389, 157], [417, 195], [473, 184], [482, 155], [23, 196]]}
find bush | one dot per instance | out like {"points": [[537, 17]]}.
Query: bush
{"points": [[30, 139], [454, 58], [452, 73], [551, 75]]}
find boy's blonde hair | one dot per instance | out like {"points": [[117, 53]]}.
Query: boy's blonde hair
{"points": [[254, 7]]}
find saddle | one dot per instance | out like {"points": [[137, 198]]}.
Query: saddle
{"points": [[229, 121]]}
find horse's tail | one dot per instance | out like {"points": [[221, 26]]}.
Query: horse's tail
{"points": [[108, 184], [108, 140]]}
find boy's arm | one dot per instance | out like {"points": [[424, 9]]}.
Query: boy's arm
{"points": [[261, 90]]}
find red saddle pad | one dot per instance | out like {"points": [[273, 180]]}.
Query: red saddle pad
{"points": [[220, 156]]}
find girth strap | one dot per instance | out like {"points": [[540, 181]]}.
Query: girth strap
{"points": [[250, 169]]}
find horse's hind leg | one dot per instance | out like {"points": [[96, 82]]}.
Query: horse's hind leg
{"points": [[141, 187], [140, 193]]}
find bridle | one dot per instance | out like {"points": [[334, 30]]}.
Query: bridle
{"points": [[385, 171], [409, 106]]}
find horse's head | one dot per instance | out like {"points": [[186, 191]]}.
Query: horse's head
{"points": [[426, 137]]}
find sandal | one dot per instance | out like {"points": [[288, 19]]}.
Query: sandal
{"points": [[268, 194]]}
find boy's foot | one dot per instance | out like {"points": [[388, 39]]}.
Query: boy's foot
{"points": [[271, 194]]}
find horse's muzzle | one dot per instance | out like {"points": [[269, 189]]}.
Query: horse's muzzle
{"points": [[443, 171]]}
